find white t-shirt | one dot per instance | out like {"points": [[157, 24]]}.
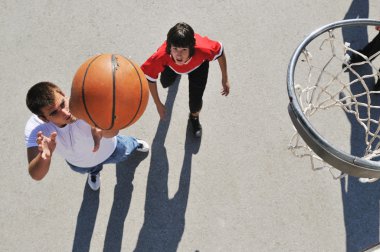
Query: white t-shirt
{"points": [[74, 141]]}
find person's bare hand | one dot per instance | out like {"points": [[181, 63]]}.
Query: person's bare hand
{"points": [[46, 145], [226, 87]]}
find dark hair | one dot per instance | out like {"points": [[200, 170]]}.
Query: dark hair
{"points": [[181, 35], [41, 95]]}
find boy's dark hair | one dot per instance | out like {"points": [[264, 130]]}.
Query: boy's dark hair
{"points": [[41, 95], [181, 35]]}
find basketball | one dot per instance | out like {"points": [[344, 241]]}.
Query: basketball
{"points": [[109, 92]]}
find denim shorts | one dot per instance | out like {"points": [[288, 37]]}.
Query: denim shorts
{"points": [[124, 147]]}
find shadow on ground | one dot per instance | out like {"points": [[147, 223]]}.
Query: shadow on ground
{"points": [[360, 201], [164, 220], [122, 198]]}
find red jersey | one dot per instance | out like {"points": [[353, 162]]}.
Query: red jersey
{"points": [[205, 49]]}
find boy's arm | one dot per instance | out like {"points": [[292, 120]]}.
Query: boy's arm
{"points": [[156, 98], [38, 166], [39, 157], [223, 68]]}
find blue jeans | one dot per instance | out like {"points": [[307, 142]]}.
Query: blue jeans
{"points": [[124, 148]]}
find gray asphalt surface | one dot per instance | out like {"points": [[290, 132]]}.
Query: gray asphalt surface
{"points": [[238, 189]]}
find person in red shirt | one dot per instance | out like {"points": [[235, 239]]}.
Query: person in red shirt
{"points": [[185, 52]]}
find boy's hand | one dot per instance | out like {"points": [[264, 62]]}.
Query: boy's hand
{"points": [[226, 87], [46, 145]]}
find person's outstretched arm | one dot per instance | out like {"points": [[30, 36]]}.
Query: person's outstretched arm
{"points": [[156, 98], [39, 157], [223, 68]]}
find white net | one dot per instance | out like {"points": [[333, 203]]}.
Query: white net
{"points": [[328, 79]]}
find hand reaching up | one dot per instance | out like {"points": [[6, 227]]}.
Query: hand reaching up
{"points": [[46, 145]]}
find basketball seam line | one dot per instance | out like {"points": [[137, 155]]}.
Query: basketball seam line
{"points": [[83, 90], [141, 91]]}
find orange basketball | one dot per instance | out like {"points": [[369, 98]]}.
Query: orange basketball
{"points": [[109, 92]]}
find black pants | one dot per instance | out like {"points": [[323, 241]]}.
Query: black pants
{"points": [[197, 84]]}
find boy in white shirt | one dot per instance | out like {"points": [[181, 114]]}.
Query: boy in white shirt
{"points": [[85, 148]]}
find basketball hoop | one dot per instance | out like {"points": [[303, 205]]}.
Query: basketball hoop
{"points": [[320, 78]]}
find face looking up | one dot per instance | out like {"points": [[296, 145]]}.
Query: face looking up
{"points": [[58, 112], [180, 55]]}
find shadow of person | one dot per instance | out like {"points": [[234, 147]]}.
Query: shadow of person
{"points": [[360, 201], [164, 219], [122, 198], [86, 220], [125, 172], [358, 9]]}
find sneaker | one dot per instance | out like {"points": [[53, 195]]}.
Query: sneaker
{"points": [[196, 125], [94, 181], [368, 180], [346, 61], [356, 58], [143, 146]]}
